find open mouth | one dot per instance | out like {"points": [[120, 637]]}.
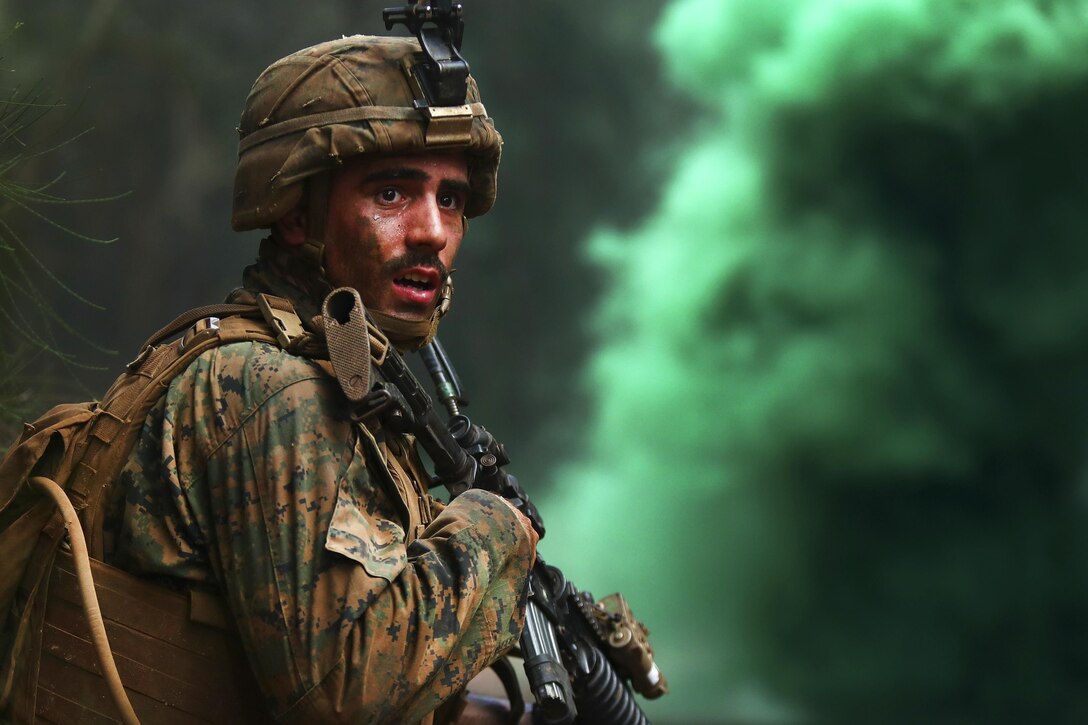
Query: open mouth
{"points": [[415, 282], [418, 284]]}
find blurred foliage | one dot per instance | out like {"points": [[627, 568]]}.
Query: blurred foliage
{"points": [[842, 399], [32, 327]]}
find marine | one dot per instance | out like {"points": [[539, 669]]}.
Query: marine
{"points": [[356, 600], [253, 481]]}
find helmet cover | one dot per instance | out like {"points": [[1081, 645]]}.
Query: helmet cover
{"points": [[310, 112]]}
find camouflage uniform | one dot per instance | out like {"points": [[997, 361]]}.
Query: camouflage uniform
{"points": [[357, 596]]}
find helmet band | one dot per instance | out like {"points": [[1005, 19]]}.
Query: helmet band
{"points": [[366, 113]]}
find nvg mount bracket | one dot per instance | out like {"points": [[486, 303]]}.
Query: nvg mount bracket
{"points": [[439, 25]]}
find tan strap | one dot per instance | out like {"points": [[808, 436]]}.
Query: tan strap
{"points": [[281, 315], [346, 334], [90, 600], [186, 319]]}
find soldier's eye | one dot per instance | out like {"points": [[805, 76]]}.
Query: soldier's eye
{"points": [[449, 201], [389, 196]]}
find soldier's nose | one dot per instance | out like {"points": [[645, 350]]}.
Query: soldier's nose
{"points": [[428, 227]]}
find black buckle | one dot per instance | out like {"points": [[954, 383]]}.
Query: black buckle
{"points": [[384, 400], [377, 401]]}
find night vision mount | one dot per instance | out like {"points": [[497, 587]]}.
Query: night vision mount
{"points": [[443, 77]]}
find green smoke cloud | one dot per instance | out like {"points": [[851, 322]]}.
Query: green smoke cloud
{"points": [[837, 457]]}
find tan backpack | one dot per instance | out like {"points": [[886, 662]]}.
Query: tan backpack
{"points": [[49, 671]]}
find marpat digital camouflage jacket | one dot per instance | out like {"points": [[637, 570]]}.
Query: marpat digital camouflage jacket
{"points": [[358, 597]]}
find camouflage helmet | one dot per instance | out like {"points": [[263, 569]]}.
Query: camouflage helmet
{"points": [[309, 112]]}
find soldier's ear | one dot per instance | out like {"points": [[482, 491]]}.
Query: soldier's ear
{"points": [[291, 228]]}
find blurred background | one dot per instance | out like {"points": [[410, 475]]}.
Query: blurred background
{"points": [[781, 312]]}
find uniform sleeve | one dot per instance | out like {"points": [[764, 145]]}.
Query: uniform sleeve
{"points": [[342, 621]]}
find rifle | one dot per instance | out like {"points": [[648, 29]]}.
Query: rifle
{"points": [[579, 654]]}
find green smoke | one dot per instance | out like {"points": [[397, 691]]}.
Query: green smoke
{"points": [[837, 457]]}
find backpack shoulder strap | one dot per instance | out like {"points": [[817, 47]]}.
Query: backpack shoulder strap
{"points": [[120, 415]]}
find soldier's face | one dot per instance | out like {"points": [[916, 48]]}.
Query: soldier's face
{"points": [[394, 226]]}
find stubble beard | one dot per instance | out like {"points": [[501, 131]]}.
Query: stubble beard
{"points": [[391, 269]]}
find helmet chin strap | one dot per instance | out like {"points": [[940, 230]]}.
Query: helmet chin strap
{"points": [[414, 334], [317, 213]]}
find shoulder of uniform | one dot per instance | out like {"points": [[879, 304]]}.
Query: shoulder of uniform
{"points": [[226, 386], [252, 368]]}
